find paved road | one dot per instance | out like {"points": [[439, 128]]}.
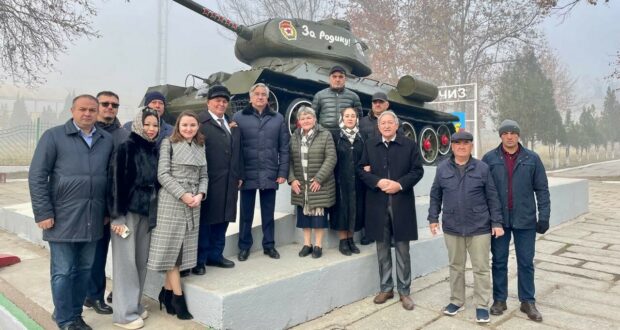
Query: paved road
{"points": [[608, 170], [577, 278]]}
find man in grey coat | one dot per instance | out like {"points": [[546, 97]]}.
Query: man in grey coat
{"points": [[330, 101], [67, 181]]}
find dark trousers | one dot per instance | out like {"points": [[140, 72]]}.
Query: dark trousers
{"points": [[403, 262], [96, 284], [267, 207], [211, 241], [70, 265], [524, 240]]}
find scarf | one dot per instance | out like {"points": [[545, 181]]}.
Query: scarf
{"points": [[306, 142], [350, 133], [137, 125]]}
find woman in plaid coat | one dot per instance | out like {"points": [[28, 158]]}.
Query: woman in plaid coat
{"points": [[182, 173]]}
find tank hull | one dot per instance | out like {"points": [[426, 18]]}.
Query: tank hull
{"points": [[294, 85]]}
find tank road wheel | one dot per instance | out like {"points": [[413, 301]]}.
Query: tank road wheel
{"points": [[291, 113], [409, 131], [428, 145], [444, 139]]}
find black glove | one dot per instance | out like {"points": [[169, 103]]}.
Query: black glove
{"points": [[542, 227]]}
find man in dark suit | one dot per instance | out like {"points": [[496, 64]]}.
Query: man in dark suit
{"points": [[220, 207], [390, 166]]}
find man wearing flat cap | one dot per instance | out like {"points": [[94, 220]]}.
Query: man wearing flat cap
{"points": [[222, 145], [156, 101], [328, 102], [521, 183], [471, 216], [368, 124]]}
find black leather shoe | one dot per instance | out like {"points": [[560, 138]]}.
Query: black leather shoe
{"points": [[305, 251], [199, 270], [317, 252], [498, 307], [272, 253], [223, 263], [529, 308], [184, 273], [365, 241], [98, 305], [344, 247], [243, 255], [71, 326], [109, 298], [79, 322], [352, 246]]}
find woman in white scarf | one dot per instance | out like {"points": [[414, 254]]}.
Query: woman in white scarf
{"points": [[347, 216]]}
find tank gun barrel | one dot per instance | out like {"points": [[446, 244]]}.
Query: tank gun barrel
{"points": [[239, 29]]}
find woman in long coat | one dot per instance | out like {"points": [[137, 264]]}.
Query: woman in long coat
{"points": [[132, 199], [182, 173], [347, 216], [311, 175]]}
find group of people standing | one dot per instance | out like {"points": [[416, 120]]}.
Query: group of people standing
{"points": [[164, 196]]}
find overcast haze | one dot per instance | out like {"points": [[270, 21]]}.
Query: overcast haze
{"points": [[124, 58]]}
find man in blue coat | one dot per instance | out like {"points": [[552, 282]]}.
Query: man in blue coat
{"points": [[265, 150], [521, 183], [471, 215], [67, 181]]}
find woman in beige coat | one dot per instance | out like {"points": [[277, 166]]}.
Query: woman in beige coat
{"points": [[182, 173], [311, 176]]}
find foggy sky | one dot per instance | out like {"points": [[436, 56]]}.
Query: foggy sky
{"points": [[124, 58]]}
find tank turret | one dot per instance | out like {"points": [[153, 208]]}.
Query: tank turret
{"points": [[293, 58], [280, 40]]}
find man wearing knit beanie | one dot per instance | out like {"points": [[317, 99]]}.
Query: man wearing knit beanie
{"points": [[523, 190], [156, 101]]}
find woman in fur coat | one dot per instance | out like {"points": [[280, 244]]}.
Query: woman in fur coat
{"points": [[132, 180]]}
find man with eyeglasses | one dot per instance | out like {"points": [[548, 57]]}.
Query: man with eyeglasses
{"points": [[156, 101], [369, 128], [106, 120]]}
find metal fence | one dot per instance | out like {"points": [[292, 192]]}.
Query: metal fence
{"points": [[17, 143]]}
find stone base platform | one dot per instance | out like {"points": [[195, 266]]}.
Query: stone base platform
{"points": [[262, 293]]}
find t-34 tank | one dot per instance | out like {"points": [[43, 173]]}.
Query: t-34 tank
{"points": [[293, 58]]}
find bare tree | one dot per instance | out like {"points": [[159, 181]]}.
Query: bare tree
{"points": [[449, 42], [34, 33]]}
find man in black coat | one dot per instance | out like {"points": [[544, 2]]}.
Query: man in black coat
{"points": [[107, 121], [67, 181], [223, 161], [390, 167]]}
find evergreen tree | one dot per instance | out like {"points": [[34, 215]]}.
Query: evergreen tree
{"points": [[525, 94], [19, 116], [611, 118]]}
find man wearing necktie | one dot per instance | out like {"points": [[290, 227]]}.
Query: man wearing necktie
{"points": [[223, 159], [390, 166]]}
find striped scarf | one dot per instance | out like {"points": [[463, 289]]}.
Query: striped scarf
{"points": [[306, 142]]}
